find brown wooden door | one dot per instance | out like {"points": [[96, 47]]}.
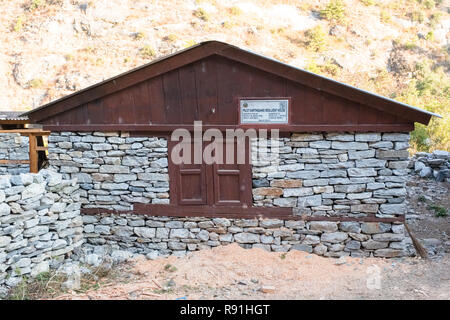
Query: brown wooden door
{"points": [[210, 185]]}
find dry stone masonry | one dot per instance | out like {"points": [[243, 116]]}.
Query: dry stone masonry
{"points": [[322, 174], [113, 169], [13, 146], [318, 174], [39, 222], [434, 165], [335, 174], [156, 236]]}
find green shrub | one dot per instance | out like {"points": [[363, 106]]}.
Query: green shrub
{"points": [[417, 16], [316, 38], [235, 11], [410, 45], [147, 51], [429, 36], [228, 24], [190, 43], [328, 68], [435, 19], [385, 17], [429, 88], [334, 11], [171, 37], [429, 4], [439, 211], [419, 137], [313, 67], [139, 35], [170, 268], [35, 4], [368, 2], [35, 83], [18, 25], [201, 14]]}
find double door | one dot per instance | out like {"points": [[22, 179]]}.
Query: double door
{"points": [[215, 184]]}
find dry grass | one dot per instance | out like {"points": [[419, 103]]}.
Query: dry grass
{"points": [[47, 285]]}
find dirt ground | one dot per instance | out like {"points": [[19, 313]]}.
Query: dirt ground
{"points": [[423, 194], [231, 272]]}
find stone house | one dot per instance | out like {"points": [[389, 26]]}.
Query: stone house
{"points": [[333, 183]]}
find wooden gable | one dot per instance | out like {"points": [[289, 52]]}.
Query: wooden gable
{"points": [[206, 82]]}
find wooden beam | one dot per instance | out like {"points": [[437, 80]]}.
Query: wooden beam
{"points": [[283, 128], [27, 131], [164, 210], [12, 121], [6, 161]]}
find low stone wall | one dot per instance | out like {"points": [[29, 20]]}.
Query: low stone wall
{"points": [[114, 170], [13, 146], [434, 165], [39, 221], [155, 236], [335, 174]]}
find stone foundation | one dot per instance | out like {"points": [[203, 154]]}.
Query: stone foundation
{"points": [[170, 235]]}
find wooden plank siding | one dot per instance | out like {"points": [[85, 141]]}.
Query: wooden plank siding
{"points": [[208, 90]]}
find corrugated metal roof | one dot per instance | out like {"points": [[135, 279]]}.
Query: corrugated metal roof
{"points": [[13, 115]]}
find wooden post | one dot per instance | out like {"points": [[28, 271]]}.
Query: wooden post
{"points": [[33, 153], [33, 147]]}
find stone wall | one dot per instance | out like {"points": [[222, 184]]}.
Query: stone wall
{"points": [[320, 174], [170, 235], [335, 174], [434, 165], [39, 221], [13, 146], [114, 170]]}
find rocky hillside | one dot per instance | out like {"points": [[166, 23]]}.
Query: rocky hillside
{"points": [[399, 48]]}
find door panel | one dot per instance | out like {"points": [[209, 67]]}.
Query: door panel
{"points": [[192, 184], [232, 182], [227, 186]]}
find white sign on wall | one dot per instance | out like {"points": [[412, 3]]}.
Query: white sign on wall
{"points": [[264, 111]]}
